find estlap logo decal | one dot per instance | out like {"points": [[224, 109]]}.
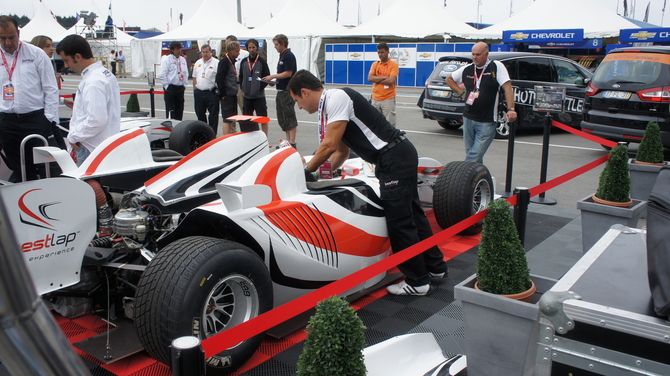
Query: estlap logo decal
{"points": [[31, 218]]}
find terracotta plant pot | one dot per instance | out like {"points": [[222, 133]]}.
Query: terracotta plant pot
{"points": [[522, 296], [649, 164], [612, 203]]}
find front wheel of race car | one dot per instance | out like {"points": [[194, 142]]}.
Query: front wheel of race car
{"points": [[201, 286], [190, 135], [461, 190]]}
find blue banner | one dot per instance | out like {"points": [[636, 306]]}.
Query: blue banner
{"points": [[539, 36], [660, 34], [186, 44], [585, 44]]}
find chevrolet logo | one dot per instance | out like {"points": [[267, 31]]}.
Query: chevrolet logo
{"points": [[643, 35], [355, 55], [519, 36], [425, 55]]}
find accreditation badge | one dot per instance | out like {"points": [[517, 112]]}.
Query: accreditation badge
{"points": [[471, 97], [8, 92]]}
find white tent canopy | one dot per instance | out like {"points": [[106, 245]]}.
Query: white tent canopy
{"points": [[209, 25], [43, 23], [304, 23], [562, 14], [299, 18], [414, 19]]}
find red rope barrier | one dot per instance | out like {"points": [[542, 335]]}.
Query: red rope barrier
{"points": [[264, 322], [125, 93], [582, 134]]}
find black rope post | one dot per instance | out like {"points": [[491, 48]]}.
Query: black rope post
{"points": [[510, 161], [153, 102], [188, 359], [545, 161], [521, 211]]}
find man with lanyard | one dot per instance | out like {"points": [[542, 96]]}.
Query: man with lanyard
{"points": [[29, 98], [174, 75], [204, 99], [482, 80], [286, 67], [96, 113], [240, 97], [252, 69], [347, 120], [383, 74], [226, 81]]}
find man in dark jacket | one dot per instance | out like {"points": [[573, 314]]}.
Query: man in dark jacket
{"points": [[226, 81], [252, 70]]}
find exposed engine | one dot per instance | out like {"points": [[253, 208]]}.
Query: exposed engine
{"points": [[114, 262]]}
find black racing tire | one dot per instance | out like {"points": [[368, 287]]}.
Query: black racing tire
{"points": [[461, 190], [201, 286], [190, 135], [451, 125]]}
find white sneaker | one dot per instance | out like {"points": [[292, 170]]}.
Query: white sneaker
{"points": [[438, 275], [403, 288]]}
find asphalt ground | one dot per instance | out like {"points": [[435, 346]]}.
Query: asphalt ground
{"points": [[566, 152]]}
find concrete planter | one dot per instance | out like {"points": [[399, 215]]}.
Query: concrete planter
{"points": [[642, 179], [501, 334], [597, 219]]}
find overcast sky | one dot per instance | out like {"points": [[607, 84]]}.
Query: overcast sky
{"points": [[156, 13]]}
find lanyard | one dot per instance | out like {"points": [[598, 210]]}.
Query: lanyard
{"points": [[10, 73], [478, 80], [281, 56], [323, 119], [232, 64], [178, 64], [251, 67]]}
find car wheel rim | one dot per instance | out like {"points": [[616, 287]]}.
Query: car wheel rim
{"points": [[503, 127], [481, 196], [231, 302], [199, 139]]}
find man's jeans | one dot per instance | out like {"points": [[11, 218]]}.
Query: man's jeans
{"points": [[478, 137]]}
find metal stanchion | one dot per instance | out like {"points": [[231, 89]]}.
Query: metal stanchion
{"points": [[521, 211], [545, 161], [510, 161], [153, 102], [188, 359]]}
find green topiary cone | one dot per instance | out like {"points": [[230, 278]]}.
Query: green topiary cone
{"points": [[651, 147], [502, 267], [614, 183], [334, 342], [133, 104]]}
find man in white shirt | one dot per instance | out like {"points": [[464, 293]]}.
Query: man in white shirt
{"points": [[96, 114], [29, 98], [121, 62], [174, 76], [204, 83]]}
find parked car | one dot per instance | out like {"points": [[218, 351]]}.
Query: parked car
{"points": [[526, 70], [630, 88]]}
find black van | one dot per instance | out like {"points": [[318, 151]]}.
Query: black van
{"points": [[526, 70], [630, 88]]}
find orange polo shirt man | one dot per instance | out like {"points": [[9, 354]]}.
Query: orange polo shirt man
{"points": [[383, 75]]}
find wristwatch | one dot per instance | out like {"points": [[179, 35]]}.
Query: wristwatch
{"points": [[511, 109]]}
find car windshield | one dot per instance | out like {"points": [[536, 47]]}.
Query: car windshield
{"points": [[631, 68], [444, 68]]}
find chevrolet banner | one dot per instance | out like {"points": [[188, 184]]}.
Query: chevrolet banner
{"points": [[543, 35], [660, 34]]}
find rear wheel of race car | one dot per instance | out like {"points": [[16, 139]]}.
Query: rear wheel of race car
{"points": [[201, 286], [461, 190], [190, 135]]}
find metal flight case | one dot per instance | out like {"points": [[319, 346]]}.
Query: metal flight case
{"points": [[599, 319]]}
